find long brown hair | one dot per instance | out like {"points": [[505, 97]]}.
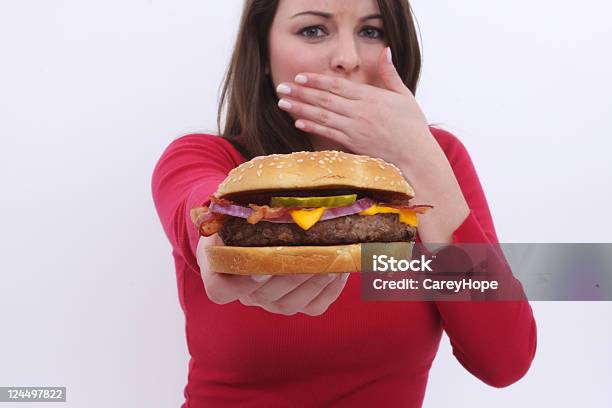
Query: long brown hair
{"points": [[254, 125]]}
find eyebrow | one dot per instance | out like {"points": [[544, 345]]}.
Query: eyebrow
{"points": [[329, 15]]}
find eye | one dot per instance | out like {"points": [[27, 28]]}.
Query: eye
{"points": [[310, 30], [372, 31]]}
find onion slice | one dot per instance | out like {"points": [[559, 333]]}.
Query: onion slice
{"points": [[357, 207], [233, 210]]}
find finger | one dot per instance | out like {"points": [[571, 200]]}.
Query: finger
{"points": [[315, 97], [298, 298], [315, 113], [276, 288], [338, 86], [327, 132], [212, 240], [321, 302], [247, 301], [222, 288], [389, 74]]}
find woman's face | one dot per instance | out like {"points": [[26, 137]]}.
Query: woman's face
{"points": [[342, 44], [346, 42]]}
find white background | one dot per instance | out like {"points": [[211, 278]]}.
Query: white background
{"points": [[92, 92]]}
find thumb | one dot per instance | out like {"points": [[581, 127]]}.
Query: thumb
{"points": [[389, 74]]}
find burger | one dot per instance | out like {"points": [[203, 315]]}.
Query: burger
{"points": [[305, 212]]}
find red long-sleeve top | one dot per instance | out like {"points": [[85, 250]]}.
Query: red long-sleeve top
{"points": [[357, 353]]}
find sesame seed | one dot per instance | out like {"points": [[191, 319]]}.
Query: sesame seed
{"points": [[321, 162], [251, 166], [300, 160], [376, 178], [276, 158], [258, 173], [240, 178], [260, 166], [279, 167], [312, 158], [271, 164]]}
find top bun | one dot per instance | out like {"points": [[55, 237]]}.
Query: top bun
{"points": [[315, 170]]}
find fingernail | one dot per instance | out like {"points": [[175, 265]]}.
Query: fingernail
{"points": [[261, 278], [389, 56], [299, 124], [282, 88], [284, 104], [300, 79]]}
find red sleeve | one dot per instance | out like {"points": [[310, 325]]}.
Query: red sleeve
{"points": [[494, 340], [188, 172]]}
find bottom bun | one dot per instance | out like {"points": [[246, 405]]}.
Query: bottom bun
{"points": [[284, 260]]}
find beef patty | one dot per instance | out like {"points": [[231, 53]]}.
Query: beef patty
{"points": [[342, 230]]}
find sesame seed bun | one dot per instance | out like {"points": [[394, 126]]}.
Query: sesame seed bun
{"points": [[315, 170]]}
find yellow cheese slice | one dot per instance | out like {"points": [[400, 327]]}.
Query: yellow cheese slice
{"points": [[406, 216], [409, 217], [307, 218]]}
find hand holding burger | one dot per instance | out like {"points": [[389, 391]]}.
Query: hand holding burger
{"points": [[310, 294]]}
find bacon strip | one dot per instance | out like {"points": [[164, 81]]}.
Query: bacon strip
{"points": [[266, 212], [207, 223], [419, 208], [220, 201]]}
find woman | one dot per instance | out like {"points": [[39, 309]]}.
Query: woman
{"points": [[317, 75]]}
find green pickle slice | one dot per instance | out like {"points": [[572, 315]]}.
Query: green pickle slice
{"points": [[331, 201]]}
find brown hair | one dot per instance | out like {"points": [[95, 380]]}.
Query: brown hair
{"points": [[254, 125]]}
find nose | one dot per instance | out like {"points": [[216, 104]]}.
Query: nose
{"points": [[345, 57]]}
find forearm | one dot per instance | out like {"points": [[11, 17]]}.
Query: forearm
{"points": [[434, 182]]}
